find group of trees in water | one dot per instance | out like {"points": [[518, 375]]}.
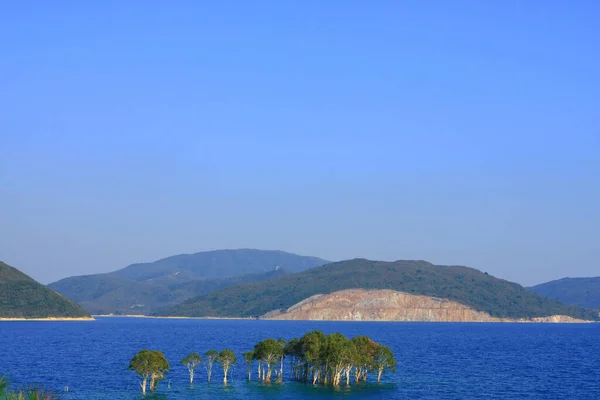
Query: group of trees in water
{"points": [[314, 358]]}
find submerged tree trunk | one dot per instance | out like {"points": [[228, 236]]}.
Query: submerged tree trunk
{"points": [[280, 377], [191, 376], [225, 370], [379, 374], [143, 385], [269, 372]]}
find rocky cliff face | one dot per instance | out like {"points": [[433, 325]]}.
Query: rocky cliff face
{"points": [[389, 305]]}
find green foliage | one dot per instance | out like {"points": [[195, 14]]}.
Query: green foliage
{"points": [[268, 352], [582, 292], [151, 365], [31, 394], [3, 384], [227, 359], [316, 358], [24, 394], [468, 286], [22, 297], [384, 360], [191, 361], [210, 357], [151, 287]]}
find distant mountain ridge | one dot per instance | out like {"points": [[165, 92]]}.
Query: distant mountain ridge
{"points": [[23, 297], [583, 292], [146, 288], [480, 291]]}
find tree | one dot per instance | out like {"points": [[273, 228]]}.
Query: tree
{"points": [[312, 346], [336, 356], [191, 361], [365, 349], [269, 352], [283, 343], [321, 359], [249, 359], [384, 359], [209, 359], [149, 365], [227, 359]]}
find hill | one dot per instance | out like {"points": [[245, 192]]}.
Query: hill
{"points": [[583, 292], [149, 287], [467, 286], [219, 264], [23, 297]]}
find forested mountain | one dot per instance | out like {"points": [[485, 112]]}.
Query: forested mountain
{"points": [[149, 287], [468, 286], [23, 297], [583, 292]]}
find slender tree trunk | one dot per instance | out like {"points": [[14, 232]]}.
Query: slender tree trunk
{"points": [[269, 372], [209, 373], [225, 370], [143, 385], [348, 369], [191, 377], [379, 374], [280, 377]]}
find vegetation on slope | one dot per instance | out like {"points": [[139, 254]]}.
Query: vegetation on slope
{"points": [[24, 394], [465, 285], [22, 297], [583, 292], [111, 294], [150, 287], [220, 264]]}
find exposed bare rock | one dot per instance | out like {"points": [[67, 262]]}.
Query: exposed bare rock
{"points": [[389, 305]]}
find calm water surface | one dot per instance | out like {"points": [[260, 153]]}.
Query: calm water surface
{"points": [[436, 361]]}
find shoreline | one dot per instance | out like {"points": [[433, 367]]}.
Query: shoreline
{"points": [[56, 319], [523, 321], [93, 318], [168, 317]]}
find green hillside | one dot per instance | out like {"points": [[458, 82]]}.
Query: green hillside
{"points": [[583, 292], [219, 264], [22, 297], [149, 287], [111, 294], [471, 287]]}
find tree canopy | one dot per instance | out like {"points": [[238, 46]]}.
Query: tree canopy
{"points": [[149, 364]]}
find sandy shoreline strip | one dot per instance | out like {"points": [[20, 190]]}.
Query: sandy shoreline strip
{"points": [[157, 317], [57, 319]]}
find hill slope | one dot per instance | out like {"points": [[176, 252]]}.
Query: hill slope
{"points": [[583, 292], [22, 297], [219, 264], [467, 286], [150, 287]]}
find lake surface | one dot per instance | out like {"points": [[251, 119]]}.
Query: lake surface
{"points": [[435, 360]]}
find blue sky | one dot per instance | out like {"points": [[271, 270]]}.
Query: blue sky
{"points": [[461, 132]]}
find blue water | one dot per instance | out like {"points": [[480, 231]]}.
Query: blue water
{"points": [[436, 361]]}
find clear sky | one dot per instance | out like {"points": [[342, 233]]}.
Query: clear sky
{"points": [[458, 132]]}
